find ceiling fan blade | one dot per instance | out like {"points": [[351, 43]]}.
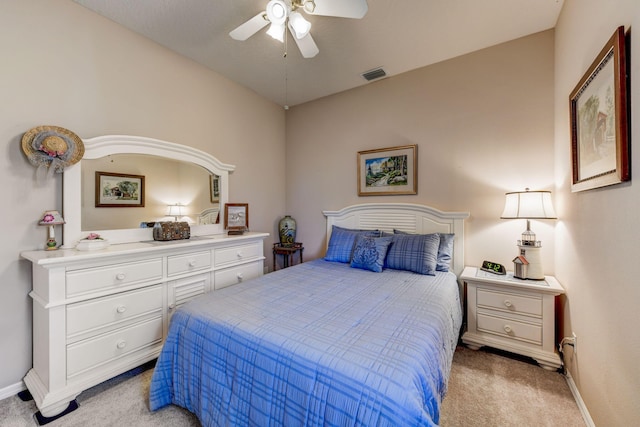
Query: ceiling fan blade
{"points": [[341, 8], [250, 27], [307, 45]]}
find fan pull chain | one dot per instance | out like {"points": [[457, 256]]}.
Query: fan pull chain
{"points": [[286, 77]]}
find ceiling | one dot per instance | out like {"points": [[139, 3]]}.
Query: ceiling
{"points": [[397, 35]]}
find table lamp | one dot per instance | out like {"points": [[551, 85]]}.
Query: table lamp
{"points": [[529, 205], [175, 211], [51, 218]]}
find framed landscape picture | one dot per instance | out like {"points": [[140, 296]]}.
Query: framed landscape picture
{"points": [[117, 190], [599, 127], [388, 171]]}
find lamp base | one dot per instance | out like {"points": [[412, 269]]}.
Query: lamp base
{"points": [[51, 245], [532, 255]]}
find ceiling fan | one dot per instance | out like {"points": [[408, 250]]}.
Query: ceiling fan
{"points": [[282, 14]]}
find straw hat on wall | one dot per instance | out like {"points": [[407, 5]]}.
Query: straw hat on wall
{"points": [[52, 147]]}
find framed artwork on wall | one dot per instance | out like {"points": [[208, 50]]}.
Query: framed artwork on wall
{"points": [[236, 217], [116, 190], [599, 126], [388, 171]]}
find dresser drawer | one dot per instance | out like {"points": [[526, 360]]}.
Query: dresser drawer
{"points": [[114, 276], [513, 303], [510, 328], [110, 347], [233, 275], [113, 310], [180, 264], [237, 253]]}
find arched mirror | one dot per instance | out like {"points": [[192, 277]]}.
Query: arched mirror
{"points": [[169, 182]]}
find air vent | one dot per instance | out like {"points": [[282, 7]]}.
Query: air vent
{"points": [[376, 73]]}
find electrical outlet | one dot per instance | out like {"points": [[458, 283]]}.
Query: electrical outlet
{"points": [[575, 343]]}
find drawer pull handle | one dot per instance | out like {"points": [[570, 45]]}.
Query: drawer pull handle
{"points": [[121, 344], [508, 303], [171, 307], [240, 254], [121, 309], [120, 276], [508, 329], [192, 263], [239, 277]]}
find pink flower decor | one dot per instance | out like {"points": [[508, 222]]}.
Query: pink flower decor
{"points": [[48, 218], [93, 236]]}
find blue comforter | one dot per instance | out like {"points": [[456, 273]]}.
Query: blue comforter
{"points": [[316, 344]]}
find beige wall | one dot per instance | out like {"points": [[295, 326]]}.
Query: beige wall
{"points": [[596, 237], [64, 65], [483, 124]]}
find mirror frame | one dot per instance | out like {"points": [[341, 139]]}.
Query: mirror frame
{"points": [[102, 146]]}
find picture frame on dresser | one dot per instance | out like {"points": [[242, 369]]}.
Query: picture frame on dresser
{"points": [[236, 217], [599, 125]]}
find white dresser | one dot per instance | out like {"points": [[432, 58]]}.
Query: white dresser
{"points": [[512, 314], [97, 314]]}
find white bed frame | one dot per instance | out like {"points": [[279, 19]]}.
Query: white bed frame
{"points": [[408, 217]]}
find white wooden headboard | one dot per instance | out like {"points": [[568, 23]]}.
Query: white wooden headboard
{"points": [[412, 218]]}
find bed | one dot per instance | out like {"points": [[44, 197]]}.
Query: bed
{"points": [[326, 342]]}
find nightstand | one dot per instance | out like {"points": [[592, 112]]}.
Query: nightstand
{"points": [[512, 314], [287, 251]]}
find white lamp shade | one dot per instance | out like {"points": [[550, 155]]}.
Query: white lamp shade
{"points": [[300, 25], [277, 12], [51, 218], [528, 204], [276, 31], [175, 210]]}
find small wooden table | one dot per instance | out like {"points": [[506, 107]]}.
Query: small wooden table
{"points": [[287, 251]]}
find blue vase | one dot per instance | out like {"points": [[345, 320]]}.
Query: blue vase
{"points": [[287, 231]]}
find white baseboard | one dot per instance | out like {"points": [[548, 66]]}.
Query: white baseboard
{"points": [[581, 406], [12, 390]]}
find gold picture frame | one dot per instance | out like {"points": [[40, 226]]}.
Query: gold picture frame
{"points": [[388, 171], [599, 126], [116, 190]]}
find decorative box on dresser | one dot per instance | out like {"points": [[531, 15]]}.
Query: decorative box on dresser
{"points": [[97, 314], [512, 314]]}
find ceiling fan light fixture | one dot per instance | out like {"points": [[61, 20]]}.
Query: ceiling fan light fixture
{"points": [[309, 6], [300, 25], [276, 31], [278, 11]]}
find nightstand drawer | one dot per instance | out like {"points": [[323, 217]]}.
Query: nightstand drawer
{"points": [[513, 303], [180, 264], [112, 311], [510, 328], [237, 254], [114, 276]]}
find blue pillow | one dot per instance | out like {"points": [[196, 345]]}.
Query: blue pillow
{"points": [[414, 252], [369, 252], [342, 241], [445, 250]]}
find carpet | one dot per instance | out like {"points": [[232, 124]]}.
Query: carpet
{"points": [[485, 389]]}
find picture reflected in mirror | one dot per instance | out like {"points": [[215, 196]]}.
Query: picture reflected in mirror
{"points": [[167, 182]]}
